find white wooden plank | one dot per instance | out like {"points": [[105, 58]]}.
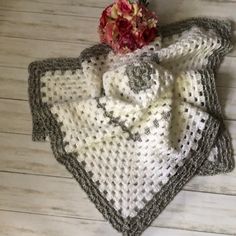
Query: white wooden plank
{"points": [[16, 223], [69, 7], [223, 183], [226, 76], [15, 116], [63, 7], [178, 7], [23, 224], [200, 211], [19, 154], [13, 83], [20, 52], [49, 27], [182, 9], [63, 197], [231, 126], [227, 97]]}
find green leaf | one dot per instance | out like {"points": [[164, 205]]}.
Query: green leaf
{"points": [[144, 2]]}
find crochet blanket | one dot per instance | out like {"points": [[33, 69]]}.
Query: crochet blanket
{"points": [[133, 129]]}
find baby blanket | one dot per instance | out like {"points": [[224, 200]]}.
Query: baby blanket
{"points": [[133, 129]]}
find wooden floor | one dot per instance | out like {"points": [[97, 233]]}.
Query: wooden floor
{"points": [[37, 196]]}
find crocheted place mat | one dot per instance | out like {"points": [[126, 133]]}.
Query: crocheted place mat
{"points": [[134, 129]]}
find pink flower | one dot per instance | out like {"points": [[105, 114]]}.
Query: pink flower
{"points": [[105, 14], [109, 32], [123, 25], [127, 43], [124, 6]]}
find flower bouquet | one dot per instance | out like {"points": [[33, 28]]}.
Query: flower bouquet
{"points": [[128, 25]]}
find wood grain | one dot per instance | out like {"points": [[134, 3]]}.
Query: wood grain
{"points": [[15, 116], [61, 7], [23, 224], [49, 27], [13, 83], [231, 126], [178, 8], [227, 97], [63, 197], [19, 154], [69, 7], [16, 223], [15, 52], [226, 76]]}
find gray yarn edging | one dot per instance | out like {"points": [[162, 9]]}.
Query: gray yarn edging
{"points": [[45, 124], [224, 161], [223, 28]]}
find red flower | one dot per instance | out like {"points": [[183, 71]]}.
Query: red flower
{"points": [[123, 25], [105, 14], [124, 6], [149, 35], [109, 32], [127, 42]]}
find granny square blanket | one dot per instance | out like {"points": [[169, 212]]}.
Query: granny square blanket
{"points": [[133, 129]]}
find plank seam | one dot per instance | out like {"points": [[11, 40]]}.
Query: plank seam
{"points": [[70, 178], [103, 221]]}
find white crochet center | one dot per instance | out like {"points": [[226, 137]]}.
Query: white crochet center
{"points": [[167, 118]]}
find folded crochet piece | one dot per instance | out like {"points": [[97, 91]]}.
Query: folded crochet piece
{"points": [[133, 129]]}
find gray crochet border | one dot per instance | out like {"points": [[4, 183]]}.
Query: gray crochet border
{"points": [[225, 161], [45, 124]]}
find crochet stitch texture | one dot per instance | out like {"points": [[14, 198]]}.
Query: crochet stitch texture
{"points": [[133, 129]]}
